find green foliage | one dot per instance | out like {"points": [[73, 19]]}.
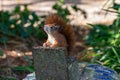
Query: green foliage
{"points": [[1, 53], [5, 78], [24, 68], [98, 34], [105, 41], [64, 12], [20, 24], [79, 9]]}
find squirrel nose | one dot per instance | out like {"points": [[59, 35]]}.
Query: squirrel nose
{"points": [[46, 28]]}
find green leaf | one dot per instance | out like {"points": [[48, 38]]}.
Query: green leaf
{"points": [[4, 40], [17, 9], [42, 24], [4, 27], [35, 17], [114, 50], [67, 12], [24, 68], [1, 53], [56, 6], [104, 57], [106, 62], [75, 8], [61, 1], [116, 6], [5, 78]]}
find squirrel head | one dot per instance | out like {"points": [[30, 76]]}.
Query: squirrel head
{"points": [[51, 28], [53, 23]]}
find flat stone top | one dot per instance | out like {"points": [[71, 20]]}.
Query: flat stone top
{"points": [[46, 48]]}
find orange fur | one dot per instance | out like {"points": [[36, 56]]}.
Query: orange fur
{"points": [[65, 35]]}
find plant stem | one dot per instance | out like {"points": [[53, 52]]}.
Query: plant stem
{"points": [[116, 54]]}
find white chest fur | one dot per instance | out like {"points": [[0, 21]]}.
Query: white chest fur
{"points": [[51, 39]]}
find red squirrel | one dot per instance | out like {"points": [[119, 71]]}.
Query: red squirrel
{"points": [[60, 34]]}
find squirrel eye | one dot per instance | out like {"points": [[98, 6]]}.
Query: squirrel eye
{"points": [[52, 27]]}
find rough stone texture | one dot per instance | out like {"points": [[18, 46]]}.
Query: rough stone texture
{"points": [[50, 64], [78, 71], [84, 71]]}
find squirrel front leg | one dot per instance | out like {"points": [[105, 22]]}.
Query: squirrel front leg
{"points": [[46, 44]]}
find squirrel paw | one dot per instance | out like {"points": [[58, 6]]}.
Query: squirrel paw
{"points": [[46, 45]]}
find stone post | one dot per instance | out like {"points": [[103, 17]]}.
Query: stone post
{"points": [[50, 63]]}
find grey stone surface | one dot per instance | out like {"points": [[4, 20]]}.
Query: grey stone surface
{"points": [[50, 64], [78, 71]]}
